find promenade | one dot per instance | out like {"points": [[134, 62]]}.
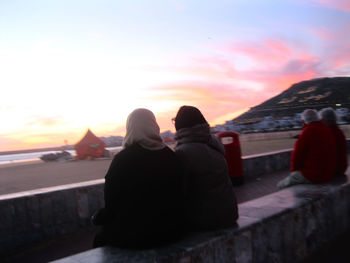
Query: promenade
{"points": [[33, 175]]}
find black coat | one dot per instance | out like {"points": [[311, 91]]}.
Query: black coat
{"points": [[144, 198]]}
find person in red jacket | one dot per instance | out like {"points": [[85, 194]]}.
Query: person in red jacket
{"points": [[329, 118], [313, 158]]}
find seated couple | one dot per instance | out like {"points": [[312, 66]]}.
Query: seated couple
{"points": [[320, 153], [153, 195]]}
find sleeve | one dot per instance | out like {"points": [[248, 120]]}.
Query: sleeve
{"points": [[296, 161], [102, 216], [112, 188]]}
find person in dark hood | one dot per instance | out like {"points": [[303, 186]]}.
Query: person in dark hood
{"points": [[210, 200], [144, 190]]}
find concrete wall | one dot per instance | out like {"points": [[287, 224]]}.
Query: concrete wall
{"points": [[264, 164], [285, 226], [42, 214], [268, 135]]}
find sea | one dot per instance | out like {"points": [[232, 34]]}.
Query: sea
{"points": [[35, 156]]}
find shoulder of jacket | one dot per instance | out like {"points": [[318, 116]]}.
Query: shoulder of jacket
{"points": [[190, 145], [125, 153]]}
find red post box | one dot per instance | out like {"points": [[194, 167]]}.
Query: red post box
{"points": [[233, 155]]}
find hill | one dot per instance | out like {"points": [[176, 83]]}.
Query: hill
{"points": [[315, 94]]}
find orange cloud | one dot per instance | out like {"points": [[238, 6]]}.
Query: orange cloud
{"points": [[7, 144], [46, 121], [29, 140], [213, 99]]}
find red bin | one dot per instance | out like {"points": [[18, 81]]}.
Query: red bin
{"points": [[233, 155]]}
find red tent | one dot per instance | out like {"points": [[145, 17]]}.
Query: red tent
{"points": [[90, 146]]}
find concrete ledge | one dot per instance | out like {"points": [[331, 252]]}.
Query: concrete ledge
{"points": [[42, 214], [261, 164], [285, 226]]}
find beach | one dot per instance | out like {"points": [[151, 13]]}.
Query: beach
{"points": [[33, 175]]}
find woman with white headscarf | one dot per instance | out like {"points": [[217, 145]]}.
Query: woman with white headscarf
{"points": [[144, 189]]}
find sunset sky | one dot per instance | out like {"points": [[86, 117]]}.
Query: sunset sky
{"points": [[68, 65]]}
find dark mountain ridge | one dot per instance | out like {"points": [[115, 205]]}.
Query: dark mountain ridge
{"points": [[316, 94]]}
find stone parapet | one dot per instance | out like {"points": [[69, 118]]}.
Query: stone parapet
{"points": [[43, 214], [263, 164], [285, 226]]}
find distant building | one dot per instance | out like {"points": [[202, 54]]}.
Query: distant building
{"points": [[343, 115], [168, 136], [267, 124], [112, 140]]}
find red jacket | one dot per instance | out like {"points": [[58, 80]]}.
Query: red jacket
{"points": [[340, 141], [314, 153]]}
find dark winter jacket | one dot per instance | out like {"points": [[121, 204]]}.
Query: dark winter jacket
{"points": [[210, 200], [314, 153], [144, 196]]}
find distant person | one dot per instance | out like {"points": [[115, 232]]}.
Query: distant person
{"points": [[144, 190], [329, 118], [313, 156], [210, 201]]}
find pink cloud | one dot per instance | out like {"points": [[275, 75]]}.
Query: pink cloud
{"points": [[278, 63], [225, 89], [340, 57], [274, 65], [343, 5], [268, 52], [322, 33], [335, 54], [211, 66]]}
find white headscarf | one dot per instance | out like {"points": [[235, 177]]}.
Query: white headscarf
{"points": [[142, 128]]}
